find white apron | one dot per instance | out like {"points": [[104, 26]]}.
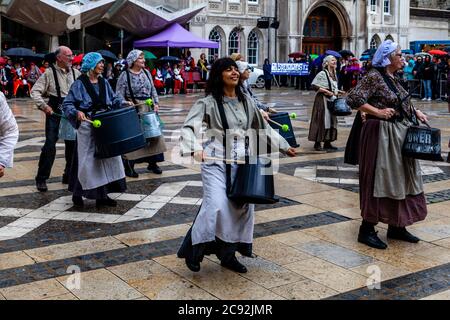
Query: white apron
{"points": [[92, 172]]}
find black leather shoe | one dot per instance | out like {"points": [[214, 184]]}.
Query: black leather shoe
{"points": [[153, 167], [65, 179], [329, 146], [234, 265], [317, 146], [108, 202], [401, 234], [129, 169], [193, 266], [41, 186], [77, 201], [371, 239]]}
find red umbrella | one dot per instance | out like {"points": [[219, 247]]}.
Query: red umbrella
{"points": [[437, 52], [78, 59], [296, 55]]}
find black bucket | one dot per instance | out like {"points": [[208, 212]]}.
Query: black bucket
{"points": [[254, 182], [283, 118], [120, 133]]}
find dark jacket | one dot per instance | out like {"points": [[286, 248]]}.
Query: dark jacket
{"points": [[427, 71], [267, 68]]}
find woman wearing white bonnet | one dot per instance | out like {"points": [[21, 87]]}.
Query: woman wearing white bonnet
{"points": [[136, 85], [323, 126], [391, 187]]}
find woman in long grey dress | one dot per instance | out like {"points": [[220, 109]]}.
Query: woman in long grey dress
{"points": [[90, 177], [136, 85], [391, 187], [323, 126], [222, 226]]}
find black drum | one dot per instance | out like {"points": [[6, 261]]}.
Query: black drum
{"points": [[423, 143], [254, 182], [119, 133], [283, 118]]}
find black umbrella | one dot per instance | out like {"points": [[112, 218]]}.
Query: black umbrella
{"points": [[108, 54], [20, 52], [346, 53], [369, 52]]}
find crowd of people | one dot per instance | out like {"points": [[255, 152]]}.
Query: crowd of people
{"points": [[391, 186]]}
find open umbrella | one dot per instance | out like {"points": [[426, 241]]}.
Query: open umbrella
{"points": [[333, 53], [108, 55], [369, 52], [314, 56], [365, 57], [149, 56], [78, 59], [169, 59], [19, 52], [422, 54], [296, 55], [346, 53], [437, 52]]}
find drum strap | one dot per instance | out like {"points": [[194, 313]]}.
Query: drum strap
{"points": [[129, 84], [98, 100]]}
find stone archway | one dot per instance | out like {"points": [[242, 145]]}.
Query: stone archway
{"points": [[327, 26]]}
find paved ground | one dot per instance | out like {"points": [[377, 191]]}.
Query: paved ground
{"points": [[305, 245]]}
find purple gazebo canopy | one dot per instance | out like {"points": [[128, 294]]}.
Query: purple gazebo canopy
{"points": [[175, 36]]}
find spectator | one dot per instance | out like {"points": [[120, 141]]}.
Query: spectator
{"points": [[190, 62], [34, 74], [267, 68], [44, 67], [427, 71], [202, 63]]}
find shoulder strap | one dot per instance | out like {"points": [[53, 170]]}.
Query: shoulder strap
{"points": [[97, 100], [225, 126], [73, 74], [329, 81], [55, 76], [129, 87]]}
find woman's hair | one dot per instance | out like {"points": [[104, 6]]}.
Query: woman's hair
{"points": [[326, 63], [215, 82], [266, 61]]}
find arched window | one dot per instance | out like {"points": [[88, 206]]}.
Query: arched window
{"points": [[214, 35], [253, 48], [233, 42], [375, 42], [389, 37]]}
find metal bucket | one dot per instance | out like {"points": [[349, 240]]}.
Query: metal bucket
{"points": [[150, 125]]}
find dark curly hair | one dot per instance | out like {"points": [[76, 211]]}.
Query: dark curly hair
{"points": [[215, 83]]}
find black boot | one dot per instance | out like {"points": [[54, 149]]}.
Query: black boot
{"points": [[317, 146], [368, 236], [153, 167], [129, 169], [234, 265], [193, 266], [108, 202], [77, 201], [399, 233], [41, 186], [327, 145]]}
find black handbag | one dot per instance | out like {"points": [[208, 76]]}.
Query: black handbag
{"points": [[254, 179], [421, 142], [338, 107]]}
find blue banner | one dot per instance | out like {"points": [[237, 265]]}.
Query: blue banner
{"points": [[290, 69]]}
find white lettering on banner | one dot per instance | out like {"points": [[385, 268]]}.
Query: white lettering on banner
{"points": [[292, 69]]}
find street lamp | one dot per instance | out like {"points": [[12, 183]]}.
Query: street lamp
{"points": [[268, 23]]}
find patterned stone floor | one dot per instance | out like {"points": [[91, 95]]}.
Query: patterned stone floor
{"points": [[305, 245]]}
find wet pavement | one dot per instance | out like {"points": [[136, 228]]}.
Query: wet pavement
{"points": [[305, 245]]}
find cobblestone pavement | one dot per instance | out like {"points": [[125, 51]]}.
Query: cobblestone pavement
{"points": [[305, 245]]}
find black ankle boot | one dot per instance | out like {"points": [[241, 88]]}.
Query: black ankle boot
{"points": [[317, 146], [234, 265], [327, 145], [368, 236], [108, 202], [398, 233], [193, 266], [153, 167], [78, 201], [129, 169]]}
